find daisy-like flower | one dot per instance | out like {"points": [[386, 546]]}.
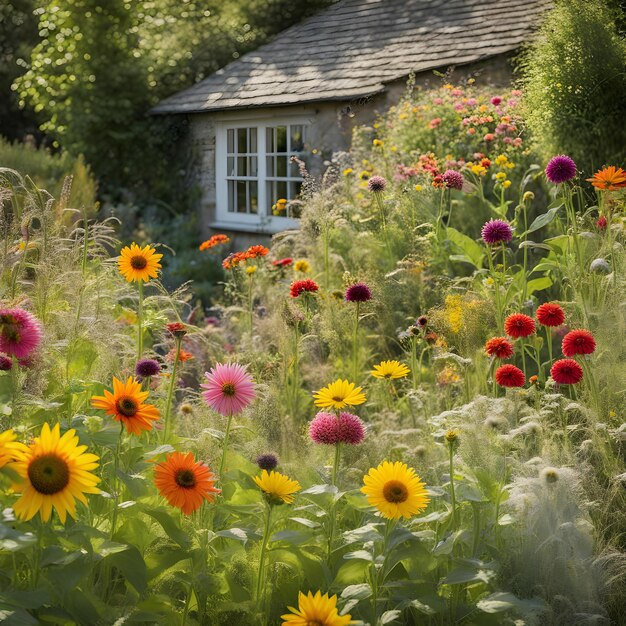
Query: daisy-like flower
{"points": [[184, 482], [282, 262], [550, 314], [510, 376], [560, 169], [176, 329], [214, 240], [139, 264], [20, 333], [8, 446], [359, 292], [499, 348], [54, 471], [610, 178], [395, 490], [183, 355], [339, 395], [277, 487], [390, 369], [299, 287], [229, 388], [496, 231], [519, 325], [126, 405], [317, 610], [579, 341], [566, 372], [302, 266]]}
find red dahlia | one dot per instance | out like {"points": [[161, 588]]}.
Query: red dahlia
{"points": [[510, 376], [550, 314], [578, 342], [499, 347], [519, 325], [566, 372], [301, 286]]}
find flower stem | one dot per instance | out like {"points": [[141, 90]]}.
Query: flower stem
{"points": [[452, 494], [225, 447], [139, 319], [170, 391], [355, 354], [115, 481], [261, 574]]}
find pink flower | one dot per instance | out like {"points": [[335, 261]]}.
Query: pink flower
{"points": [[496, 100], [229, 388], [323, 429], [489, 137], [435, 122], [20, 332]]}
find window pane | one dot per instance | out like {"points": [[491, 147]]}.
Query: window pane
{"points": [[242, 140], [230, 166], [269, 140], [281, 190], [231, 140], [231, 196], [281, 166], [241, 196], [253, 166], [281, 139], [297, 138], [252, 140], [294, 170], [254, 197], [294, 189], [270, 164], [242, 166]]}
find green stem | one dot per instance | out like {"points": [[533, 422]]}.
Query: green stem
{"points": [[139, 325], [170, 391], [326, 258], [496, 289], [355, 354], [250, 307], [261, 574], [549, 344], [336, 463], [452, 494], [224, 449], [115, 481]]}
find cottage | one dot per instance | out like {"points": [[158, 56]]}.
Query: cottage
{"points": [[302, 93]]}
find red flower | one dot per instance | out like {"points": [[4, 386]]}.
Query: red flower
{"points": [[566, 372], [550, 314], [499, 347], [283, 262], [177, 329], [519, 325], [510, 376], [300, 286], [578, 342], [601, 223]]}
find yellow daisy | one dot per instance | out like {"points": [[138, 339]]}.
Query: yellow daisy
{"points": [[390, 369], [302, 266], [338, 395], [278, 487], [8, 446], [139, 264], [55, 472], [395, 490], [317, 609]]}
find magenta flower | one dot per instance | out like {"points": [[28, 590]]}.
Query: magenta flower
{"points": [[350, 429], [453, 179], [20, 333], [229, 388], [359, 292], [323, 429], [6, 363], [560, 169], [376, 183], [496, 231], [147, 367]]}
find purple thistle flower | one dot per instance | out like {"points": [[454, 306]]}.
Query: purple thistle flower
{"points": [[350, 429], [453, 179], [560, 169], [376, 183], [496, 231], [147, 367], [267, 462], [359, 292]]}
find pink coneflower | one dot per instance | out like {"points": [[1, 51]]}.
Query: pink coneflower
{"points": [[579, 341], [560, 169], [20, 333], [229, 388], [496, 231], [453, 179], [359, 292]]}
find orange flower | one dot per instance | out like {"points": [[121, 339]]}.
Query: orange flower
{"points": [[609, 179], [183, 355], [215, 240], [185, 482], [254, 251]]}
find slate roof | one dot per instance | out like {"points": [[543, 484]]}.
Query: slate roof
{"points": [[354, 47]]}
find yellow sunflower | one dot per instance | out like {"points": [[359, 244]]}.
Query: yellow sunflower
{"points": [[55, 472], [278, 487], [395, 490], [338, 395], [139, 264], [390, 369], [8, 446], [317, 609]]}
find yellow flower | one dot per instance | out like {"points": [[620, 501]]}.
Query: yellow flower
{"points": [[8, 446], [479, 170], [348, 171], [506, 184], [448, 376], [317, 610], [139, 264], [418, 188], [454, 312], [302, 266], [395, 490], [251, 269], [390, 369], [377, 143], [278, 487], [55, 472], [364, 175], [500, 176], [501, 159], [338, 395]]}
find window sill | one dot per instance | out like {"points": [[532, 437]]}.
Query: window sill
{"points": [[269, 228]]}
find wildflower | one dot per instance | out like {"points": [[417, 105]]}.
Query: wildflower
{"points": [[186, 408], [267, 462], [578, 342], [302, 266], [451, 438], [214, 240], [377, 143], [395, 490], [184, 482], [229, 388], [251, 270], [20, 333], [422, 321], [489, 137], [323, 429], [255, 251], [597, 265], [139, 264], [496, 100], [560, 169], [54, 471], [359, 292], [303, 286], [506, 184], [510, 376], [602, 223], [499, 348], [176, 329], [550, 314], [609, 179], [6, 363], [350, 429], [338, 395], [566, 372], [8, 446], [348, 171], [500, 176], [282, 262], [496, 231], [533, 380], [147, 367], [453, 179], [390, 370], [364, 175], [448, 376], [277, 487], [317, 609], [183, 355], [376, 184], [519, 325], [280, 206], [126, 405], [418, 188]]}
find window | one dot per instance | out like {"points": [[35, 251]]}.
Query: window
{"points": [[254, 170]]}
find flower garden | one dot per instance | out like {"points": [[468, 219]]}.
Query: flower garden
{"points": [[409, 411]]}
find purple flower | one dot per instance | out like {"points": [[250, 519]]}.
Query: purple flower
{"points": [[323, 429], [6, 363], [359, 292], [350, 429], [376, 183], [496, 231], [267, 462], [560, 169], [147, 367], [453, 179]]}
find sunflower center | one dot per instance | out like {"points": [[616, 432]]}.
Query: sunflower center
{"points": [[48, 474], [228, 389], [185, 478], [126, 406], [395, 491], [314, 622], [138, 262], [387, 375], [337, 399]]}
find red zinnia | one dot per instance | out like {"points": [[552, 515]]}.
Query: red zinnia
{"points": [[499, 347], [578, 342], [301, 286], [510, 376], [566, 372], [550, 314], [519, 325]]}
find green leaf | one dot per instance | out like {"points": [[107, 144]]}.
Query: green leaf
{"points": [[500, 601], [239, 534], [131, 564], [473, 252], [362, 555], [463, 575], [25, 599], [305, 522], [17, 617], [538, 284], [544, 219], [169, 525], [357, 592], [390, 616]]}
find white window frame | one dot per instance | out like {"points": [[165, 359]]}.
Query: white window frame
{"points": [[263, 221]]}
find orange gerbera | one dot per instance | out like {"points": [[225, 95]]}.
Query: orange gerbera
{"points": [[254, 251], [185, 482], [126, 405], [213, 241], [183, 355], [609, 179]]}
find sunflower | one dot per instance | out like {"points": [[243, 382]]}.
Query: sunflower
{"points": [[390, 369], [139, 264], [126, 405], [338, 395], [609, 179], [278, 487], [395, 490], [8, 446], [317, 609], [55, 471], [184, 482]]}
